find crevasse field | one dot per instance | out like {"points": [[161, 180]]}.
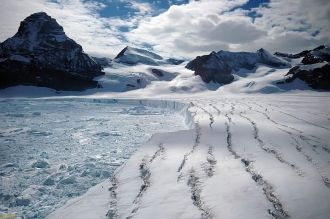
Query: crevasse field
{"points": [[53, 150]]}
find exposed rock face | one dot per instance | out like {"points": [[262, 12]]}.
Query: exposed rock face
{"points": [[133, 56], [219, 66], [316, 76], [211, 68], [317, 55], [40, 54], [314, 69]]}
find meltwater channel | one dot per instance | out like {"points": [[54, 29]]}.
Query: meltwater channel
{"points": [[54, 150]]}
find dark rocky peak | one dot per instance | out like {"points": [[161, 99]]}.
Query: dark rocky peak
{"points": [[39, 23], [316, 55], [219, 66], [36, 32], [41, 46], [122, 53], [317, 76]]}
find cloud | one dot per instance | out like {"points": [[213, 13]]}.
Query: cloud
{"points": [[236, 29], [143, 8], [291, 26], [188, 29], [198, 25], [201, 26], [80, 20]]}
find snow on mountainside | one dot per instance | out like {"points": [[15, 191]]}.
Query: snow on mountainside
{"points": [[135, 68], [312, 67], [132, 56], [219, 66], [316, 75], [248, 75], [104, 62], [168, 78], [317, 55], [41, 54]]}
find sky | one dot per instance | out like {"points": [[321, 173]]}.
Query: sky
{"points": [[180, 28]]}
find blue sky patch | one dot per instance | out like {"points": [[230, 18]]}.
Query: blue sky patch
{"points": [[124, 9], [254, 4]]}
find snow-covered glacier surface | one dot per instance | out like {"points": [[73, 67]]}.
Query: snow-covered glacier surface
{"points": [[53, 150]]}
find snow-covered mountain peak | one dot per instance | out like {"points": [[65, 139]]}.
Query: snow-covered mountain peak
{"points": [[41, 21], [316, 55], [128, 50], [219, 66], [266, 54], [132, 56], [36, 30], [41, 46]]}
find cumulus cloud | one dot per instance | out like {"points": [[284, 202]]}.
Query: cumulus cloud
{"points": [[190, 29], [201, 26], [196, 25], [292, 25], [80, 20]]}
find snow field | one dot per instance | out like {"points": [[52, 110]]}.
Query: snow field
{"points": [[55, 149], [246, 156]]}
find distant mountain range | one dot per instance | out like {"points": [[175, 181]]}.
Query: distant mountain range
{"points": [[41, 54], [219, 66]]}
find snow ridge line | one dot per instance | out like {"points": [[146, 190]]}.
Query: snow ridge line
{"points": [[216, 109], [242, 103], [145, 174], [277, 123], [325, 115], [232, 109], [229, 142], [299, 148], [278, 211], [269, 150], [211, 118], [325, 179], [302, 137], [196, 143], [280, 124], [228, 117], [303, 120], [112, 212], [195, 189], [160, 151], [307, 141], [210, 163]]}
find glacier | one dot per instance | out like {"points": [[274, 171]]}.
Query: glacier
{"points": [[56, 149]]}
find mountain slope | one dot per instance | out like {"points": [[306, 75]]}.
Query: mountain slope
{"points": [[219, 66], [132, 56], [317, 55], [312, 67], [41, 54]]}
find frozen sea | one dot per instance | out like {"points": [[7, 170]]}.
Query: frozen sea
{"points": [[53, 150]]}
